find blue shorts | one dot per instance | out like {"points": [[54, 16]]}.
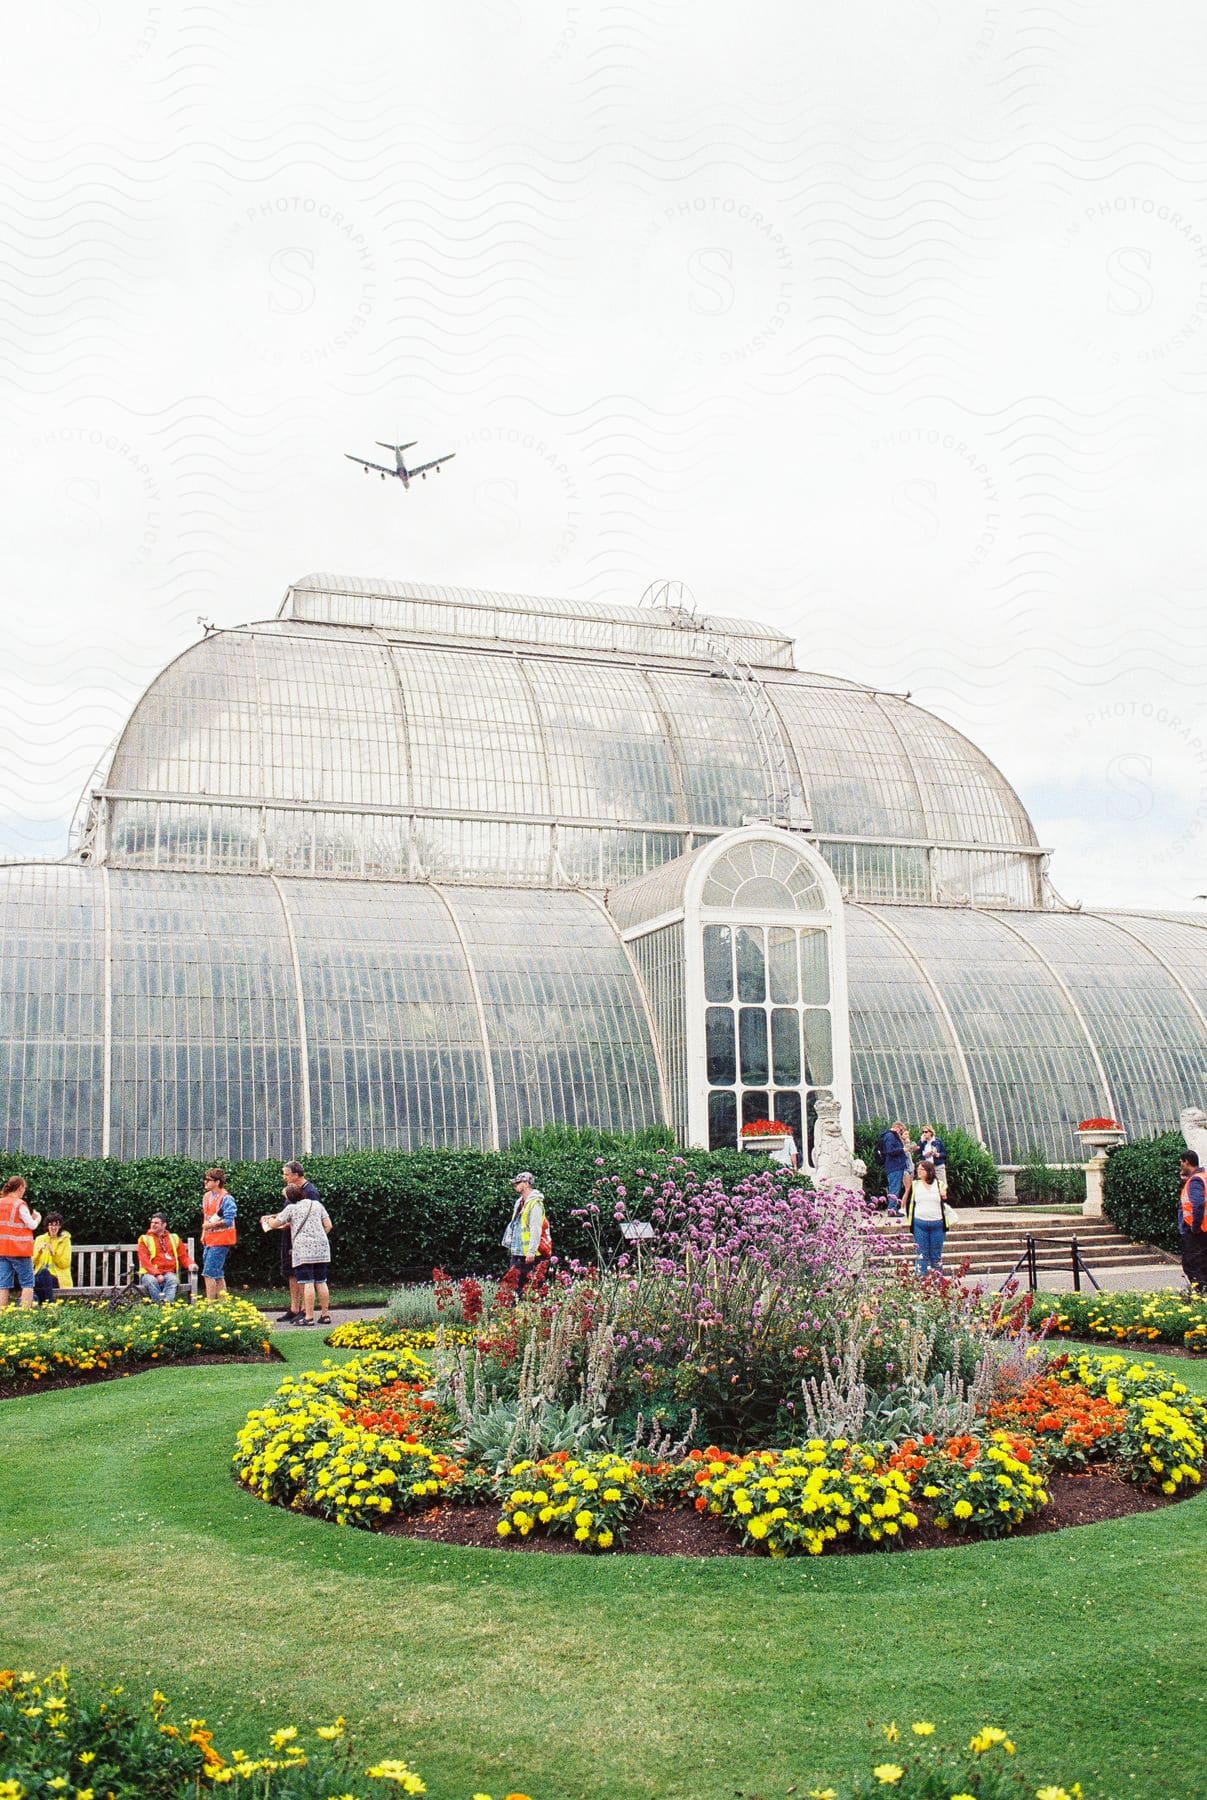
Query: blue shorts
{"points": [[213, 1261], [310, 1271], [16, 1270]]}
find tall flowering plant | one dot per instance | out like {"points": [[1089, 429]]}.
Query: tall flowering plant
{"points": [[735, 1291]]}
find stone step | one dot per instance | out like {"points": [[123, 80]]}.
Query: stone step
{"points": [[993, 1247]]}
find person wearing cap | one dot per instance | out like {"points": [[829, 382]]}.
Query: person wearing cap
{"points": [[527, 1234]]}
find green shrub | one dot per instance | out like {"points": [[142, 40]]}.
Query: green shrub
{"points": [[1142, 1182], [1037, 1181], [396, 1213], [971, 1171]]}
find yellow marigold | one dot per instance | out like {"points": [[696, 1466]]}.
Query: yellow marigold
{"points": [[922, 1728], [888, 1773], [394, 1770]]}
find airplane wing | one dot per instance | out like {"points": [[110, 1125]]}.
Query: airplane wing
{"points": [[373, 465], [424, 467]]}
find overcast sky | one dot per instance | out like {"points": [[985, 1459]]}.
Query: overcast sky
{"points": [[883, 320]]}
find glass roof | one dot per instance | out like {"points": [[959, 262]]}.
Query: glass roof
{"points": [[421, 609], [322, 717]]}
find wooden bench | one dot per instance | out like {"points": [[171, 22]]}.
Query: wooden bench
{"points": [[103, 1271]]}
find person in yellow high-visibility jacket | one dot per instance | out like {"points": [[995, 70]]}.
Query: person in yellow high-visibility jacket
{"points": [[52, 1259]]}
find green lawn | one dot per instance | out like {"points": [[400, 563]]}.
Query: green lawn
{"points": [[126, 1550], [273, 1299]]}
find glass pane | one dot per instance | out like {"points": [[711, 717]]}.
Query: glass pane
{"points": [[819, 1054], [752, 975], [754, 1105], [718, 1028], [814, 968], [752, 1036], [785, 1045], [787, 1108], [718, 962], [722, 1121], [781, 965]]}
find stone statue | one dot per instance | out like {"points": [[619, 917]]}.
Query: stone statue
{"points": [[833, 1164], [1193, 1121]]}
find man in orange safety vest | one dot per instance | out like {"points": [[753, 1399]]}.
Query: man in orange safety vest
{"points": [[1192, 1220]]}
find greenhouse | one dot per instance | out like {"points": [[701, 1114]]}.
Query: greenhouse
{"points": [[416, 865]]}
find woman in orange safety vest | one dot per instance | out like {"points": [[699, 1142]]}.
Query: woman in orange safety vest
{"points": [[17, 1227], [218, 1212]]}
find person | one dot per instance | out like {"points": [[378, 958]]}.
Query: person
{"points": [[17, 1227], [52, 1260], [308, 1224], [163, 1259], [218, 1235], [1192, 1220], [293, 1306], [892, 1153], [786, 1154], [926, 1216], [934, 1150], [527, 1235], [296, 1188]]}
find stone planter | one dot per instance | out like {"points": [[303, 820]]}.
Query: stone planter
{"points": [[765, 1142], [1098, 1142]]}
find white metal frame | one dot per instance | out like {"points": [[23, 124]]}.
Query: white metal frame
{"points": [[695, 915]]}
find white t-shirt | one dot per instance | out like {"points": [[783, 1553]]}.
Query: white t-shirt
{"points": [[784, 1155], [928, 1202]]}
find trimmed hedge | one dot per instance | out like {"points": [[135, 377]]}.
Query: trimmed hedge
{"points": [[971, 1171], [396, 1213], [1141, 1189]]}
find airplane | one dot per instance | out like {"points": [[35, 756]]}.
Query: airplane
{"points": [[400, 471]]}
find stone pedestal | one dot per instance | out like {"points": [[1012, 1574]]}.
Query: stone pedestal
{"points": [[1095, 1172]]}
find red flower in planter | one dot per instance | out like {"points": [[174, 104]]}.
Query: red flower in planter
{"points": [[764, 1128], [1100, 1125]]}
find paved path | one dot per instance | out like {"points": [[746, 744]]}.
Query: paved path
{"points": [[1132, 1278], [338, 1316]]}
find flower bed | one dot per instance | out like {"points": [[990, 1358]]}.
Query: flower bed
{"points": [[311, 1450], [1164, 1438], [378, 1334], [61, 1737], [67, 1342], [1162, 1317], [1070, 1423], [594, 1499], [57, 1738], [793, 1500], [366, 1442]]}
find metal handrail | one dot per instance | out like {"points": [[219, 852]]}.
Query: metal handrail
{"points": [[1028, 1257], [1081, 1267]]}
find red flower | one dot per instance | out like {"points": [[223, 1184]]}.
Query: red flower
{"points": [[764, 1128]]}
